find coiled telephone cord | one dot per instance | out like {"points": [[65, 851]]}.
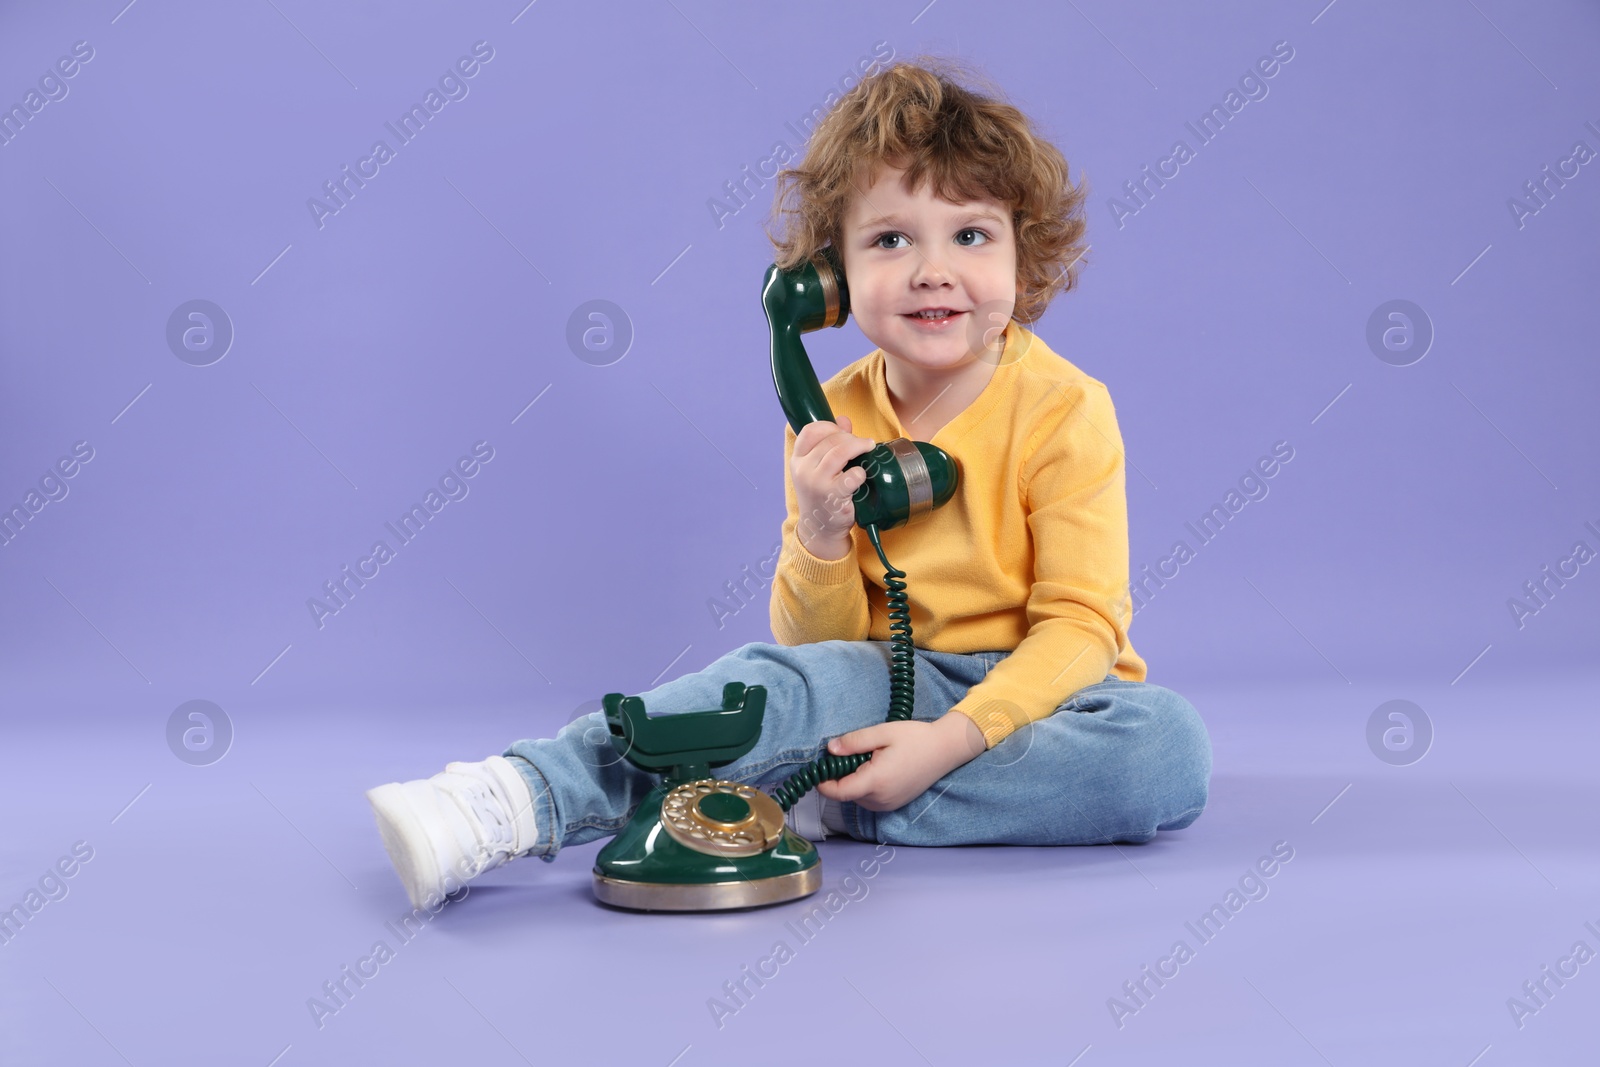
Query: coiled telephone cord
{"points": [[902, 688]]}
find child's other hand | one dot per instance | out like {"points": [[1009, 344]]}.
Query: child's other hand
{"points": [[822, 487], [907, 757]]}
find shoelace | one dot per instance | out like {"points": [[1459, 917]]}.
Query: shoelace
{"points": [[490, 808]]}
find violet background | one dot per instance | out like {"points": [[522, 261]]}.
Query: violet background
{"points": [[1229, 313]]}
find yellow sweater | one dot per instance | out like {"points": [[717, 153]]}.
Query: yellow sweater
{"points": [[1029, 556]]}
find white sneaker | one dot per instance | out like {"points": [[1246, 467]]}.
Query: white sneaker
{"points": [[805, 817], [443, 831]]}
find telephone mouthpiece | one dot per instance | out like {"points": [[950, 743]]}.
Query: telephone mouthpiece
{"points": [[906, 480]]}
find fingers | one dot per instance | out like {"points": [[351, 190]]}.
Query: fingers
{"points": [[811, 435], [841, 449], [831, 474], [824, 438], [844, 483], [824, 482], [851, 787], [863, 740]]}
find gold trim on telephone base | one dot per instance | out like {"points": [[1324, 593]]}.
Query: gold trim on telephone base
{"points": [[707, 896]]}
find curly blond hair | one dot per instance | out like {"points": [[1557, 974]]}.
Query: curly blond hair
{"points": [[921, 116]]}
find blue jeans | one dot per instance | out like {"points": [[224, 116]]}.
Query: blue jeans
{"points": [[1116, 761]]}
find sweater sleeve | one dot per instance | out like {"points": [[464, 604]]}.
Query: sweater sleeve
{"points": [[1073, 486], [814, 599]]}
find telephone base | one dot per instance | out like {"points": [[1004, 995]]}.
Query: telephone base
{"points": [[706, 896], [705, 845]]}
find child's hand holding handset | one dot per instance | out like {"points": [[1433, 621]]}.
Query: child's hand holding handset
{"points": [[823, 488]]}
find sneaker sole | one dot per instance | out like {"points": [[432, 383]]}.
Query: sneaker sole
{"points": [[406, 840]]}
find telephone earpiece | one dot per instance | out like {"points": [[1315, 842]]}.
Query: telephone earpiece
{"points": [[905, 479]]}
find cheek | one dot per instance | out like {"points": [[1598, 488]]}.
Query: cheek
{"points": [[869, 298]]}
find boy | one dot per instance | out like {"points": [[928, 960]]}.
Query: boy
{"points": [[1033, 723]]}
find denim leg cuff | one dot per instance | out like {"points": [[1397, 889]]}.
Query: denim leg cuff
{"points": [[544, 805], [863, 822]]}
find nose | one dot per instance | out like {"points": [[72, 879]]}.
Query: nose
{"points": [[929, 271]]}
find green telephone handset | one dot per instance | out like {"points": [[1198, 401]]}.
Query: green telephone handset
{"points": [[701, 843], [905, 479]]}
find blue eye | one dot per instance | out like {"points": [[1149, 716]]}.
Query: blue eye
{"points": [[877, 242]]}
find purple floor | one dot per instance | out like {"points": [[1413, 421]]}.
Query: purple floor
{"points": [[1418, 901]]}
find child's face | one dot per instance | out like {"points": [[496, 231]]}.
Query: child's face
{"points": [[930, 253]]}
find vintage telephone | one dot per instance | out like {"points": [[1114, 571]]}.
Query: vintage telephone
{"points": [[698, 842]]}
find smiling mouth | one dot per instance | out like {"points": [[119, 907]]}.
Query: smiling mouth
{"points": [[947, 313]]}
